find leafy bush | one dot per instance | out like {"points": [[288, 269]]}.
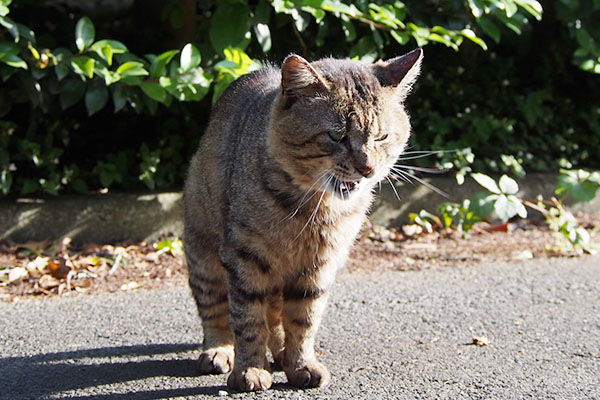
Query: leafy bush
{"points": [[501, 202], [87, 105]]}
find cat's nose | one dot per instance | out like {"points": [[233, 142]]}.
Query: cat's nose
{"points": [[366, 171]]}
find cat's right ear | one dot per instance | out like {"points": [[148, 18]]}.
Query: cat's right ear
{"points": [[400, 72], [299, 78]]}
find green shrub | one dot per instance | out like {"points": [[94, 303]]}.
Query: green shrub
{"points": [[101, 102]]}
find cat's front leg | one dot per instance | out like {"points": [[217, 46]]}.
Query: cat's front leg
{"points": [[304, 304], [248, 317]]}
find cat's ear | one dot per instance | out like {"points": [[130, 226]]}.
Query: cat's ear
{"points": [[299, 78], [400, 72]]}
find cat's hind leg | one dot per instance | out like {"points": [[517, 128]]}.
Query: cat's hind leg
{"points": [[276, 333], [209, 288]]}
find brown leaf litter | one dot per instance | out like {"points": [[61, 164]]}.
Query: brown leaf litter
{"points": [[36, 269]]}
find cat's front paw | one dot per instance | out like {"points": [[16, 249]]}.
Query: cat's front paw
{"points": [[218, 360], [250, 379], [311, 374]]}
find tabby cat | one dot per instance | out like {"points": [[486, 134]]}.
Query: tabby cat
{"points": [[274, 198]]}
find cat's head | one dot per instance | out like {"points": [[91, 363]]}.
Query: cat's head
{"points": [[341, 124]]}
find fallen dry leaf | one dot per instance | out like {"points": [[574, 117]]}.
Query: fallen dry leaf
{"points": [[130, 286], [10, 275], [33, 245], [58, 268], [522, 255], [39, 264], [412, 230], [480, 341], [48, 282]]}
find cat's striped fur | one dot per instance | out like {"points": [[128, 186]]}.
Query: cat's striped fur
{"points": [[274, 198]]}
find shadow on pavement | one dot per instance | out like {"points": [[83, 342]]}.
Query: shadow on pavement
{"points": [[48, 375]]}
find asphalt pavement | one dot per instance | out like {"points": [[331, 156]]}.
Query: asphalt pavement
{"points": [[393, 335]]}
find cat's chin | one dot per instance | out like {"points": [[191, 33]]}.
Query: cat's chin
{"points": [[344, 190]]}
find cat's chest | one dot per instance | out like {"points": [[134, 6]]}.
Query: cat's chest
{"points": [[315, 243]]}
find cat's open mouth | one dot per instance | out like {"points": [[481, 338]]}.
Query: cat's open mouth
{"points": [[343, 189]]}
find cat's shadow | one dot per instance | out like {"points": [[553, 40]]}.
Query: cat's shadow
{"points": [[51, 374]]}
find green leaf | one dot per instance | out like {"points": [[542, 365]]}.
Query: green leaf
{"points": [[317, 13], [501, 208], [84, 33], [29, 186], [61, 55], [9, 48], [482, 204], [400, 37], [490, 29], [154, 91], [13, 60], [79, 186], [521, 210], [263, 36], [4, 10], [50, 186], [132, 68], [229, 27], [262, 12], [262, 16], [96, 97], [334, 6], [12, 27], [190, 57], [192, 86], [508, 185], [83, 66], [348, 28], [507, 207], [119, 96], [25, 33], [579, 183], [110, 77], [486, 182], [533, 7], [584, 191], [106, 48], [469, 34], [477, 8], [71, 92], [157, 65], [510, 8], [364, 49]]}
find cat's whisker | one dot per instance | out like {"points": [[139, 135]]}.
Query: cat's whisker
{"points": [[304, 198], [421, 169], [429, 151], [393, 187], [413, 155], [314, 213], [400, 174], [424, 183]]}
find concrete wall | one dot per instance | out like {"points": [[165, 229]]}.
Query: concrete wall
{"points": [[116, 217]]}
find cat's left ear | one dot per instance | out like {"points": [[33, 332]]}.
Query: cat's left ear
{"points": [[400, 72], [299, 78]]}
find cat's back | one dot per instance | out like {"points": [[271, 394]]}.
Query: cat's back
{"points": [[247, 100], [236, 133]]}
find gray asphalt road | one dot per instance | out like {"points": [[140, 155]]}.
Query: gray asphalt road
{"points": [[391, 335]]}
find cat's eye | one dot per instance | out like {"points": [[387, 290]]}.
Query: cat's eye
{"points": [[381, 138], [336, 135]]}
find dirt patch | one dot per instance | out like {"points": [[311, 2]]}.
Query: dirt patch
{"points": [[37, 269]]}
